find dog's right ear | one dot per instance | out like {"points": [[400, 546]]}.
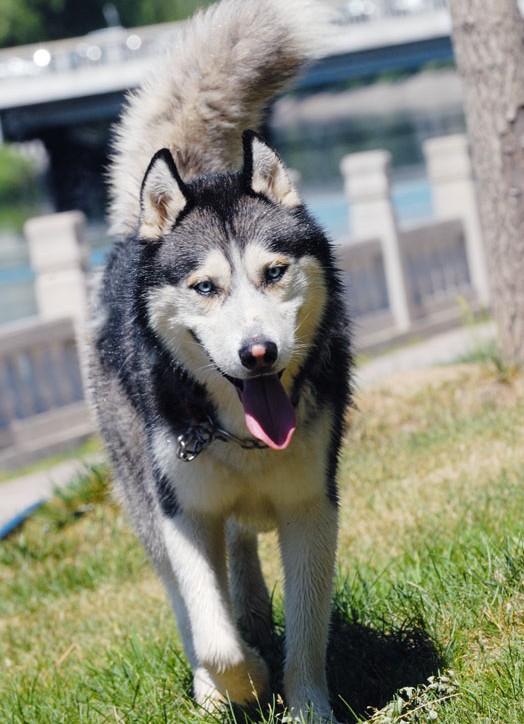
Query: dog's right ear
{"points": [[163, 196], [264, 172]]}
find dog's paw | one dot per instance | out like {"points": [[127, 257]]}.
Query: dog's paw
{"points": [[243, 683], [307, 715], [311, 709], [205, 691]]}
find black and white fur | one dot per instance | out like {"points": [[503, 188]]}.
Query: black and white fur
{"points": [[221, 282]]}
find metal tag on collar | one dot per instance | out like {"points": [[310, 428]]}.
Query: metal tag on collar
{"points": [[195, 439]]}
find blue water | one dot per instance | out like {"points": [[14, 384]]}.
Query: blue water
{"points": [[411, 198], [16, 274]]}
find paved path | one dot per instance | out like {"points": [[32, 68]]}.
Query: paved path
{"points": [[18, 496], [438, 350]]}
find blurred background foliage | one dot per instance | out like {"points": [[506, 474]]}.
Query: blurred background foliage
{"points": [[32, 21], [18, 175]]}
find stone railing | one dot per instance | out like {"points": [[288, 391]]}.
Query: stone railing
{"points": [[404, 282], [42, 405], [400, 283], [42, 401]]}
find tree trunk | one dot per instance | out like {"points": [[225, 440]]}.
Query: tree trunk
{"points": [[488, 37]]}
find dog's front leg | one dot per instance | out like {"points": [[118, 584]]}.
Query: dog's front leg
{"points": [[224, 665], [308, 538], [249, 592]]}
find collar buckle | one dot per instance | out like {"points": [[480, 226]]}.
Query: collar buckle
{"points": [[194, 440]]}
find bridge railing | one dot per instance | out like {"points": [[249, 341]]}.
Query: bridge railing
{"points": [[103, 47], [114, 45], [365, 11]]}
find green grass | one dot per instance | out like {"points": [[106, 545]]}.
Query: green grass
{"points": [[431, 578], [14, 216]]}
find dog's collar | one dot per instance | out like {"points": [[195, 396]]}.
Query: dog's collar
{"points": [[199, 435]]}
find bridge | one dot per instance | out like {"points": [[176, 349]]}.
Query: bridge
{"points": [[84, 79], [67, 93]]}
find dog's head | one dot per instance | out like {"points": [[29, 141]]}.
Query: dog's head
{"points": [[235, 285]]}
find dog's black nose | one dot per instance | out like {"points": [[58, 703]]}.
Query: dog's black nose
{"points": [[258, 355]]}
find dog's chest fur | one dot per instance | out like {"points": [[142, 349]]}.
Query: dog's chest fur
{"points": [[254, 486]]}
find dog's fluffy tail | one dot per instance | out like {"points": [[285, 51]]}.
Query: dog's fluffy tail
{"points": [[213, 83]]}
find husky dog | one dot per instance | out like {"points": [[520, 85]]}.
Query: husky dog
{"points": [[219, 356]]}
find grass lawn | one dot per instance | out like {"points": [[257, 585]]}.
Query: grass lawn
{"points": [[428, 619]]}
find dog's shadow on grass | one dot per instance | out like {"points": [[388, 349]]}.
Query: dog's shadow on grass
{"points": [[367, 665]]}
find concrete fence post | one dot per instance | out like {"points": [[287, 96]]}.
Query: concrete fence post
{"points": [[453, 192], [368, 188], [59, 258]]}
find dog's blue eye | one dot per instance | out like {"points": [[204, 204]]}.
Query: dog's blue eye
{"points": [[205, 288], [274, 273]]}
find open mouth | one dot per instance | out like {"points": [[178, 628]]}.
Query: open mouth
{"points": [[270, 416]]}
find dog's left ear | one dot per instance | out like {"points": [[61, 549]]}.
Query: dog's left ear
{"points": [[162, 198], [264, 173]]}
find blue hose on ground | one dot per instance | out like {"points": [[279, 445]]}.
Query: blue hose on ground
{"points": [[19, 518]]}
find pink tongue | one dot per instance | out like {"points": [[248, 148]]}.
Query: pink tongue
{"points": [[270, 416]]}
